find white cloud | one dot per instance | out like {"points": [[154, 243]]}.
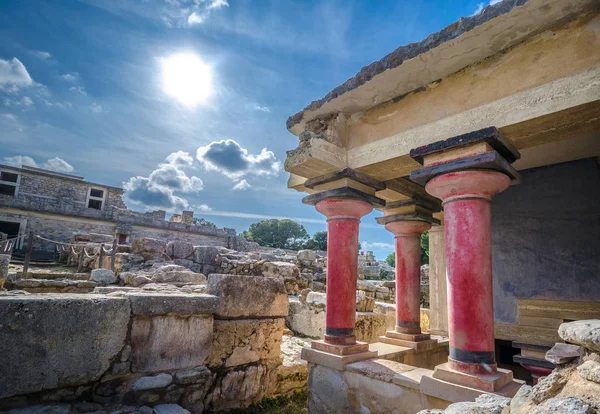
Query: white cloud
{"points": [[216, 4], [195, 18], [71, 77], [54, 164], [478, 10], [180, 159], [78, 89], [159, 188], [96, 108], [239, 214], [242, 185], [41, 54], [377, 245], [202, 207], [262, 108], [230, 159], [10, 117], [14, 73]]}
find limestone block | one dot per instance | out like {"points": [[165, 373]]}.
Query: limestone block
{"points": [[366, 286], [103, 276], [179, 276], [389, 310], [248, 296], [238, 389], [189, 264], [590, 371], [364, 303], [306, 321], [280, 270], [241, 342], [149, 248], [193, 376], [316, 300], [152, 382], [207, 255], [58, 340], [370, 326], [156, 303], [585, 333], [292, 374], [307, 255], [178, 249], [294, 285], [161, 343]]}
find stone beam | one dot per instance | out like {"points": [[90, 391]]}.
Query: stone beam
{"points": [[526, 118], [315, 157]]}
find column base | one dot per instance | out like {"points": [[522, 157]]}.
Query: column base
{"points": [[340, 340], [336, 356], [491, 383], [418, 342], [355, 348], [453, 392]]}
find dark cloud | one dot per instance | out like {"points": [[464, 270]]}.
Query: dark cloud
{"points": [[141, 190], [230, 159]]}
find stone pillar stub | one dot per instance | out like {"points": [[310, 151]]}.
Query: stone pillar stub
{"points": [[465, 172]]}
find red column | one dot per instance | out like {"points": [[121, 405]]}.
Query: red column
{"points": [[408, 274], [466, 197], [343, 218]]}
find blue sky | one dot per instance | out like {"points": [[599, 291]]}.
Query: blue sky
{"points": [[103, 89]]}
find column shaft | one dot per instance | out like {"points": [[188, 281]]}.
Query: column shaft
{"points": [[408, 283]]}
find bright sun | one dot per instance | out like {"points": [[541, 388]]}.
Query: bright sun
{"points": [[187, 78]]}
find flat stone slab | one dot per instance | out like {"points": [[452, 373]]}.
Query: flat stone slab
{"points": [[563, 353], [164, 303], [585, 333], [248, 296], [58, 340], [379, 369]]}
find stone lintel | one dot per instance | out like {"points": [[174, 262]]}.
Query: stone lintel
{"points": [[345, 173], [343, 193], [490, 383], [314, 158], [416, 216], [338, 362], [356, 348], [489, 135], [486, 161]]}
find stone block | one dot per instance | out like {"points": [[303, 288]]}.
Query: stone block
{"points": [[4, 261], [179, 276], [585, 333], [207, 255], [316, 300], [339, 362], [590, 371], [172, 303], [171, 342], [238, 389], [241, 342], [563, 353], [189, 264], [366, 286], [489, 383], [248, 296], [369, 326], [307, 255], [306, 321], [356, 348], [280, 270], [103, 276], [55, 340], [193, 376], [152, 382], [179, 249], [148, 248], [100, 238]]}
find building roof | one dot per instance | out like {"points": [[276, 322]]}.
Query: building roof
{"points": [[49, 173], [469, 40]]}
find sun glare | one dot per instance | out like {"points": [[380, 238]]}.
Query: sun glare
{"points": [[187, 78]]}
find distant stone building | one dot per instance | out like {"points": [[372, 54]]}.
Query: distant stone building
{"points": [[57, 206]]}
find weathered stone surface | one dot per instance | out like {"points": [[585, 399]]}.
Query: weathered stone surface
{"points": [[143, 303], [484, 404], [364, 303], [316, 300], [306, 321], [189, 264], [292, 374], [280, 270], [548, 387], [179, 249], [179, 276], [170, 409], [163, 343], [563, 405], [152, 382], [103, 276], [248, 296], [366, 286], [562, 353], [100, 238], [370, 326], [238, 389], [149, 248], [520, 399], [590, 371], [585, 333], [52, 341], [193, 376], [240, 342], [307, 255], [4, 261], [207, 255]]}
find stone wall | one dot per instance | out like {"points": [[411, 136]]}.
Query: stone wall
{"points": [[206, 352]]}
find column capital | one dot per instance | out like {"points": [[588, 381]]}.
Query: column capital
{"points": [[407, 228], [470, 184], [337, 209]]}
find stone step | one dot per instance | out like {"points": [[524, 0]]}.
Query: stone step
{"points": [[388, 351], [54, 275]]}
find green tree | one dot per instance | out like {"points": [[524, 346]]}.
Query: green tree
{"points": [[279, 234], [391, 259], [199, 221], [318, 241]]}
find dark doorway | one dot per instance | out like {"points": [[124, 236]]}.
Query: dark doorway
{"points": [[9, 227], [122, 238]]}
